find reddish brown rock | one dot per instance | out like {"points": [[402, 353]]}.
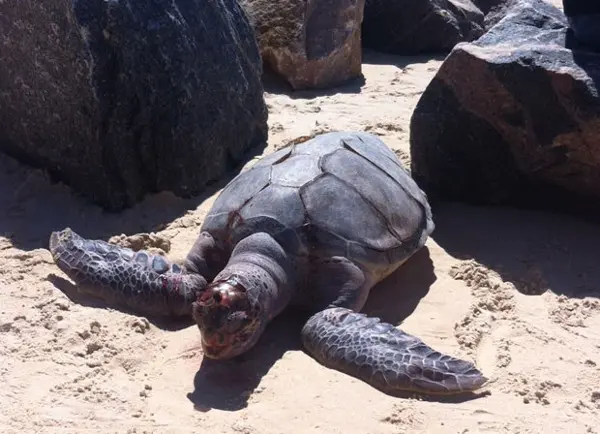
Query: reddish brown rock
{"points": [[310, 43]]}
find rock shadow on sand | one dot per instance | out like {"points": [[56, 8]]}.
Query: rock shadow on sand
{"points": [[536, 251], [371, 57], [32, 206], [276, 84]]}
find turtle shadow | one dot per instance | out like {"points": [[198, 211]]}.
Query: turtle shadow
{"points": [[82, 299], [33, 204], [229, 385], [535, 251], [397, 296]]}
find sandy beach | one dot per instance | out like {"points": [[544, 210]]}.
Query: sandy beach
{"points": [[514, 291]]}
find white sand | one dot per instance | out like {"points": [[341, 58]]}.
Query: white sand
{"points": [[504, 288]]}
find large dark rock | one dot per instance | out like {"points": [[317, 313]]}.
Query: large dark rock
{"points": [[420, 26], [311, 44], [513, 117], [119, 98]]}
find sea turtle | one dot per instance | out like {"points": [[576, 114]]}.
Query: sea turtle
{"points": [[314, 225]]}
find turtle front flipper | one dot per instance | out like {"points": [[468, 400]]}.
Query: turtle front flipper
{"points": [[383, 356], [145, 283]]}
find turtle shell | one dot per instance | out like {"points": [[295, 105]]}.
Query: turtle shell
{"points": [[337, 194]]}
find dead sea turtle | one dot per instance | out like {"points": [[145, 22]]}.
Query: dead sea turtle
{"points": [[314, 225]]}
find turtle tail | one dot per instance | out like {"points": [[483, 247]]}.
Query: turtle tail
{"points": [[384, 356], [145, 283]]}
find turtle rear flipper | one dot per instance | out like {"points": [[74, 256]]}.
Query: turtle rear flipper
{"points": [[385, 357], [145, 283]]}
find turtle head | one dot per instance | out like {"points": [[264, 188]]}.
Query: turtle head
{"points": [[230, 321]]}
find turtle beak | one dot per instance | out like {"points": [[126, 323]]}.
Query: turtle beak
{"points": [[213, 348]]}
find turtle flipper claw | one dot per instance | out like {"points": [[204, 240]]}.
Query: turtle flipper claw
{"points": [[143, 282], [385, 357]]}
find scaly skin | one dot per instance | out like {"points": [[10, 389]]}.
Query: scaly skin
{"points": [[231, 313], [145, 283], [385, 357]]}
